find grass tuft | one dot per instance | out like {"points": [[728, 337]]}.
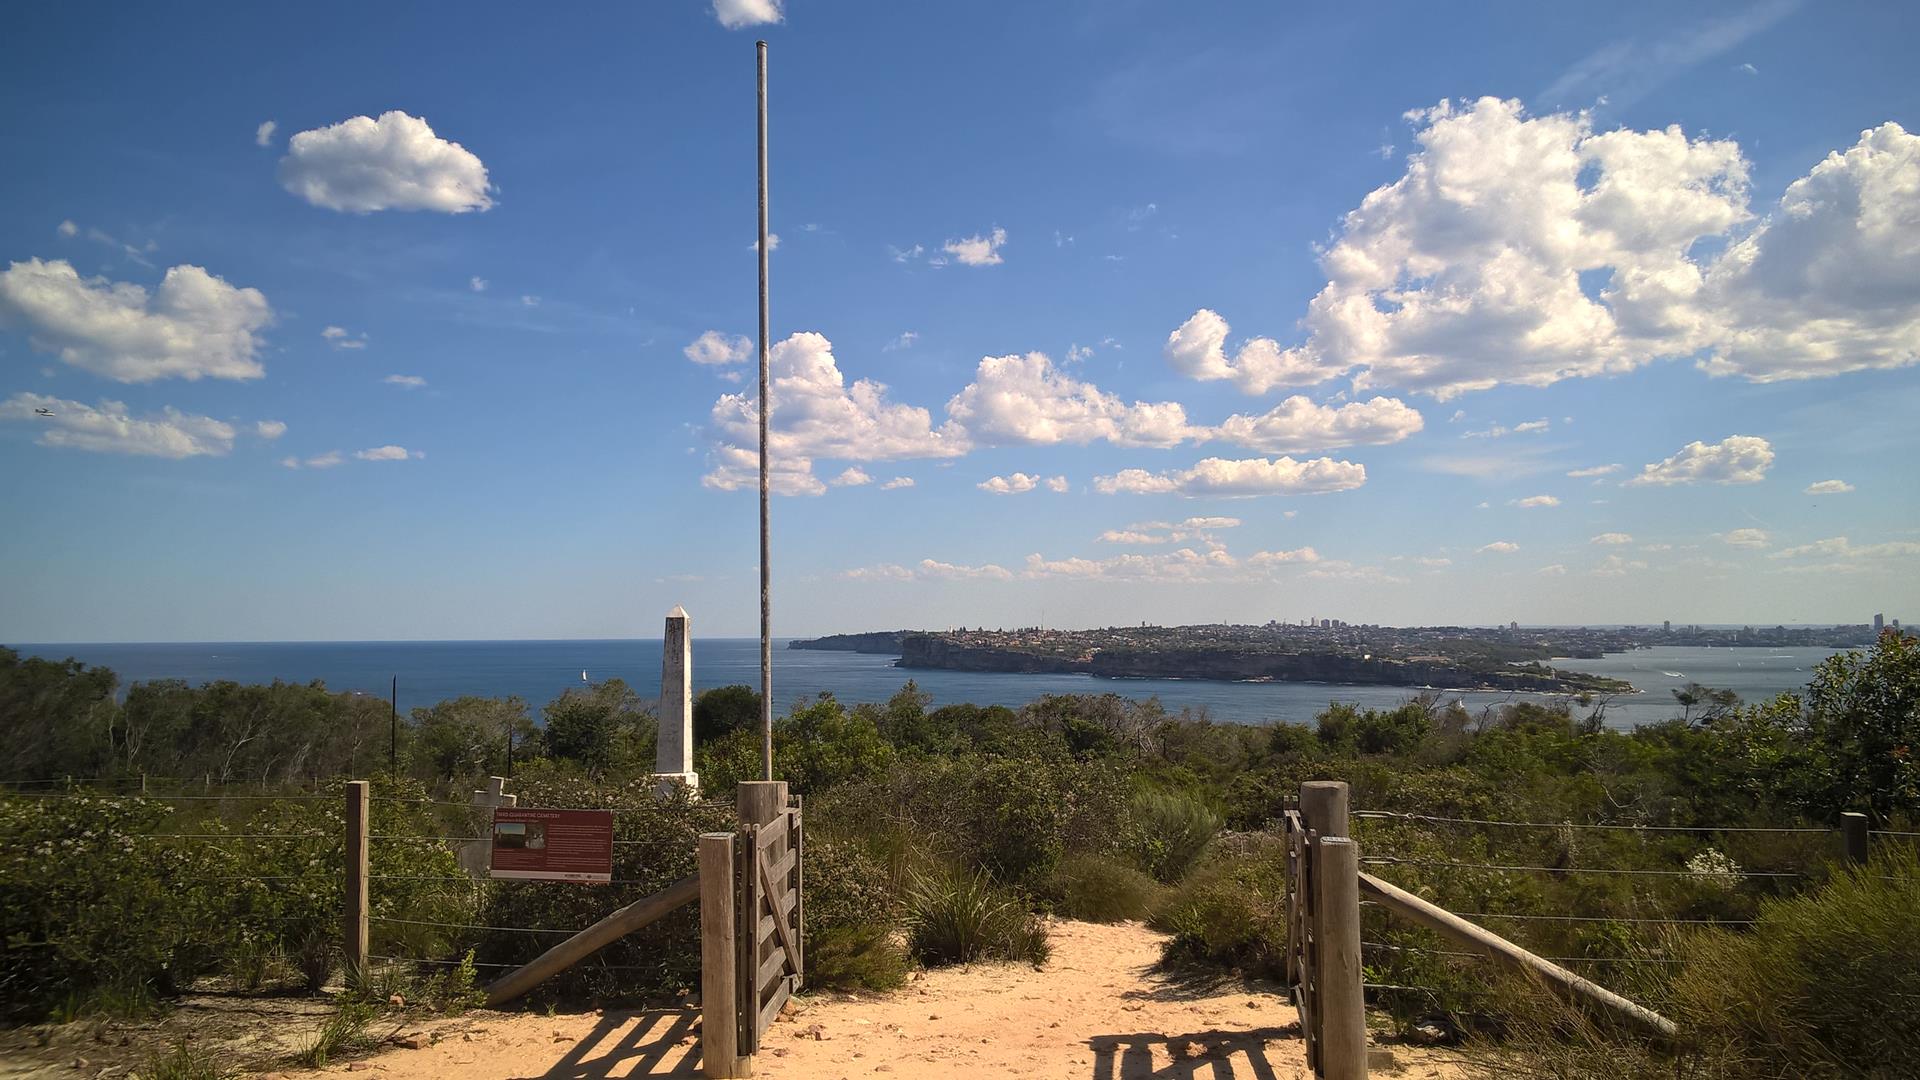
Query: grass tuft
{"points": [[958, 918]]}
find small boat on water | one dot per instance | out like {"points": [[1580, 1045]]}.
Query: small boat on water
{"points": [[583, 675]]}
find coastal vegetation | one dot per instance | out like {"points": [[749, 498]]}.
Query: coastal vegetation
{"points": [[945, 834]]}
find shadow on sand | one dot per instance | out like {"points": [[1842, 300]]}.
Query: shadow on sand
{"points": [[660, 1042], [1216, 1055]]}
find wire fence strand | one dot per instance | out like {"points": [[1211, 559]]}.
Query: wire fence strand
{"points": [[470, 926], [1395, 860], [1553, 959], [1393, 815]]}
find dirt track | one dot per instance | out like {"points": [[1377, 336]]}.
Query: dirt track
{"points": [[1096, 1011]]}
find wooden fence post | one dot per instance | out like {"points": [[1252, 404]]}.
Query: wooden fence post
{"points": [[1323, 806], [1343, 1007], [719, 985], [357, 832], [1853, 829]]}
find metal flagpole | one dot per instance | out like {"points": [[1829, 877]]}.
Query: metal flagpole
{"points": [[766, 592], [393, 734]]}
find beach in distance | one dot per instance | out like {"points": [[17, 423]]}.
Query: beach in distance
{"points": [[431, 671]]}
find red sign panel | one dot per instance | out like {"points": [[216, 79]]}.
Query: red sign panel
{"points": [[553, 845]]}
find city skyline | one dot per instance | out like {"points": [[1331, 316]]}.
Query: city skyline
{"points": [[1085, 315]]}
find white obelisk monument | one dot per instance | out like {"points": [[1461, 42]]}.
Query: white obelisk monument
{"points": [[673, 755]]}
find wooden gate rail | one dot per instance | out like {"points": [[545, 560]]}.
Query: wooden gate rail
{"points": [[615, 926], [1567, 984]]}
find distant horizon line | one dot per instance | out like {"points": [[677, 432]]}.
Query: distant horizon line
{"points": [[838, 633]]}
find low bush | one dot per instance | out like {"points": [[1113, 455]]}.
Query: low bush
{"points": [[1231, 910], [1173, 831], [852, 918], [864, 956], [1825, 984], [958, 918], [1101, 889]]}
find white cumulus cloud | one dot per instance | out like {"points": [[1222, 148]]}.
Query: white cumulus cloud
{"points": [[340, 338], [1737, 459], [1012, 484], [269, 429], [263, 135], [111, 428], [897, 483], [1026, 400], [1521, 249], [387, 453], [1239, 479], [714, 347], [1828, 487], [815, 414], [736, 467], [1297, 424], [1198, 350], [1746, 538], [1830, 282], [1535, 501], [1611, 539], [1499, 547], [193, 325], [736, 14], [978, 250], [1594, 470], [394, 163], [852, 476], [411, 382]]}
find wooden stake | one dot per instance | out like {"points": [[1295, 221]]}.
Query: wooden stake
{"points": [[719, 985], [1323, 806], [356, 937], [1853, 828], [1343, 1004]]}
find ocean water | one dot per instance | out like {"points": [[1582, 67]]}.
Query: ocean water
{"points": [[431, 671]]}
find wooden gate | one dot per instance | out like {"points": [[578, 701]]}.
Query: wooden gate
{"points": [[772, 921], [1302, 954]]}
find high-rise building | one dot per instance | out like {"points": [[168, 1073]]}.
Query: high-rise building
{"points": [[1667, 626], [1879, 623]]}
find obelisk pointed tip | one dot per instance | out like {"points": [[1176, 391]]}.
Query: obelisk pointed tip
{"points": [[678, 612]]}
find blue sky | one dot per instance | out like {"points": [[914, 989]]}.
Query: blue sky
{"points": [[1169, 312]]}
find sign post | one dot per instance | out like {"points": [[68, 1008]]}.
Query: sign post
{"points": [[552, 845]]}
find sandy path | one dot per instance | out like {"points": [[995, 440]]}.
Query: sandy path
{"points": [[1096, 1011]]}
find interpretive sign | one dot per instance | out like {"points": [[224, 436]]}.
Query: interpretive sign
{"points": [[552, 845]]}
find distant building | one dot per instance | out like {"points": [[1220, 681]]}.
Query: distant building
{"points": [[1879, 623], [1667, 626]]}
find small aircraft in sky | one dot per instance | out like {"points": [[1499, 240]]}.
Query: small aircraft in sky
{"points": [[43, 412]]}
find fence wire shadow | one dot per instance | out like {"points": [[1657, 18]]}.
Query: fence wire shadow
{"points": [[653, 1042], [1213, 1055]]}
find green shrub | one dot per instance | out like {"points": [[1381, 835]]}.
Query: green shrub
{"points": [[958, 918], [1173, 831], [1100, 889], [1825, 984], [852, 918], [863, 956], [1231, 910]]}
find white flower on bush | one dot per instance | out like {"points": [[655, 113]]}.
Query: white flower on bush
{"points": [[1715, 868]]}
